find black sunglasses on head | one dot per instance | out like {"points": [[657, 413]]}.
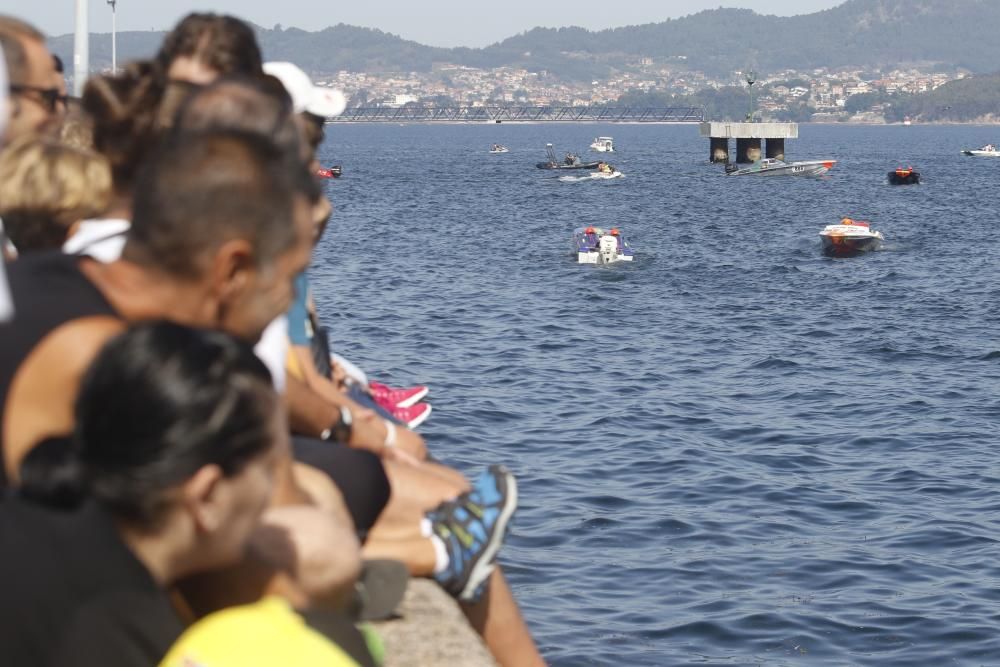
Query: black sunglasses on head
{"points": [[49, 96]]}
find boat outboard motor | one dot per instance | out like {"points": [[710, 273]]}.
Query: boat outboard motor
{"points": [[608, 249]]}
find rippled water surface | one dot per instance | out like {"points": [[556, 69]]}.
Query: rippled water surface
{"points": [[735, 451]]}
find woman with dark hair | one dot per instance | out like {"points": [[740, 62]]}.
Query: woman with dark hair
{"points": [[177, 434], [131, 109], [205, 46]]}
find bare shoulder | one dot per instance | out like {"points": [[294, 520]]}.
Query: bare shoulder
{"points": [[77, 342], [42, 392]]}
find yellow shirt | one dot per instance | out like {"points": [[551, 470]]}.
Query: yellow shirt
{"points": [[266, 634]]}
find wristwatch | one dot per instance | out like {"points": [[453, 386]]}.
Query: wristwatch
{"points": [[340, 431]]}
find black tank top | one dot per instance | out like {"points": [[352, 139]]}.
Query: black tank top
{"points": [[48, 290]]}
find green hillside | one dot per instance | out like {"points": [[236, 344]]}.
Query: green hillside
{"points": [[865, 33]]}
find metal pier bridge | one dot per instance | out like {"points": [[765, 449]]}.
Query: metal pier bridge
{"points": [[520, 114]]}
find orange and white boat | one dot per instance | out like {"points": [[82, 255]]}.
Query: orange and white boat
{"points": [[849, 237]]}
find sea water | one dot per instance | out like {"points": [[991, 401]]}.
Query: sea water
{"points": [[734, 450]]}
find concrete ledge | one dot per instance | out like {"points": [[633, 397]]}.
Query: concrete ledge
{"points": [[431, 631], [722, 130]]}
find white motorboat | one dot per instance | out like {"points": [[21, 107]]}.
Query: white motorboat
{"points": [[774, 167], [850, 237], [595, 246], [499, 148], [603, 145], [989, 150]]}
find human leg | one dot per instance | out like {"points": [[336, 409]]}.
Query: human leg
{"points": [[415, 551], [357, 474], [497, 618], [465, 534], [423, 486]]}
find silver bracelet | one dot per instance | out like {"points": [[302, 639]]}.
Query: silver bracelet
{"points": [[390, 434]]}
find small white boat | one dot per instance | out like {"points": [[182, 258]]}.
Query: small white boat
{"points": [[849, 237], [774, 167], [989, 150], [499, 148], [603, 145], [595, 246]]}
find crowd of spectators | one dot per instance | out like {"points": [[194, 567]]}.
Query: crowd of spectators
{"points": [[188, 474]]}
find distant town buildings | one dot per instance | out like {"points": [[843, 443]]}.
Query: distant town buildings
{"points": [[825, 92]]}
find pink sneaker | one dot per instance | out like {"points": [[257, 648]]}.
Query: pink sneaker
{"points": [[390, 398], [413, 416]]}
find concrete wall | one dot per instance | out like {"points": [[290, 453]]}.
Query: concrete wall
{"points": [[749, 130], [431, 631]]}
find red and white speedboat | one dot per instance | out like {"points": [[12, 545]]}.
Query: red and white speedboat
{"points": [[329, 172], [849, 237]]}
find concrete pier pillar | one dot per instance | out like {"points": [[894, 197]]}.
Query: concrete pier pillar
{"points": [[719, 149], [747, 150], [775, 148]]}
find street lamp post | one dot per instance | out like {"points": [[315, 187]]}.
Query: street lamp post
{"points": [[751, 79], [114, 44], [81, 49]]}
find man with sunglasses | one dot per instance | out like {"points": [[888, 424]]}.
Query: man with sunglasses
{"points": [[37, 101]]}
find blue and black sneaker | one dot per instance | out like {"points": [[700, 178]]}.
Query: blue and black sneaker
{"points": [[472, 528]]}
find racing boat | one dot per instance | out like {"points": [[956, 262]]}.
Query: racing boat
{"points": [[774, 167], [571, 161], [989, 150], [603, 145], [595, 246], [499, 148], [849, 237], [904, 176], [329, 172]]}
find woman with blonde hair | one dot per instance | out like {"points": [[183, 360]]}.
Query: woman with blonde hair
{"points": [[46, 188]]}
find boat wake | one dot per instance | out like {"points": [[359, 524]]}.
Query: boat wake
{"points": [[591, 177]]}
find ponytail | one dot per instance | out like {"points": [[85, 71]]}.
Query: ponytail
{"points": [[51, 475], [125, 112]]}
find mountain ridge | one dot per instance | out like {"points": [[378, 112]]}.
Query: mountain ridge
{"points": [[862, 33]]}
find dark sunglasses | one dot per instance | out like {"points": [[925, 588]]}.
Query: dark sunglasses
{"points": [[49, 96]]}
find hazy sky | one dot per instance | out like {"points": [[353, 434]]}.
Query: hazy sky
{"points": [[432, 22]]}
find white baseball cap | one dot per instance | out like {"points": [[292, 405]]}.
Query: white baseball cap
{"points": [[324, 102]]}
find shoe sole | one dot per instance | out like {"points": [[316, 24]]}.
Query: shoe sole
{"points": [[417, 421], [486, 563], [413, 400]]}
